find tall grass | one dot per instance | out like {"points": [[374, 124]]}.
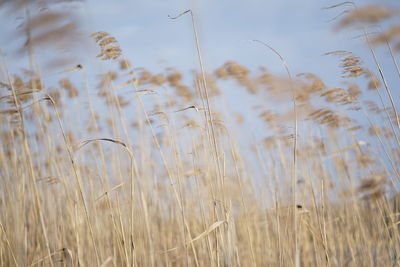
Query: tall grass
{"points": [[152, 171]]}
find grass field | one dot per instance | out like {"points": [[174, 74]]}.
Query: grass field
{"points": [[134, 168]]}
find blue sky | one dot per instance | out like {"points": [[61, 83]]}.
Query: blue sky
{"points": [[299, 30]]}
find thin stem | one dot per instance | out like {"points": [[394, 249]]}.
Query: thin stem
{"points": [[294, 170]]}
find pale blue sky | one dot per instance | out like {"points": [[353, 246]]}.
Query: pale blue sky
{"points": [[299, 30]]}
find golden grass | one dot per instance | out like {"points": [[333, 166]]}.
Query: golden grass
{"points": [[165, 173]]}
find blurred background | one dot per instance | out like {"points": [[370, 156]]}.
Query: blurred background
{"points": [[300, 31]]}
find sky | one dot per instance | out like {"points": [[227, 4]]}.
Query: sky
{"points": [[302, 31]]}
